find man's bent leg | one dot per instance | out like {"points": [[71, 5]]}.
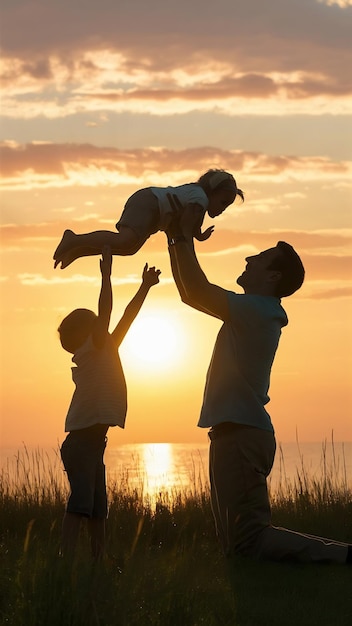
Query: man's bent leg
{"points": [[280, 544], [240, 459]]}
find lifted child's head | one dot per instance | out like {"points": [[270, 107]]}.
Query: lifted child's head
{"points": [[221, 189], [76, 328]]}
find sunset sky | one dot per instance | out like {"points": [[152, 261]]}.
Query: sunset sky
{"points": [[102, 98]]}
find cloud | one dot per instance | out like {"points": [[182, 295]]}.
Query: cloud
{"points": [[35, 280], [174, 28], [39, 280], [343, 4], [326, 254], [318, 241], [328, 266], [45, 165], [330, 293], [225, 89], [321, 243], [238, 58], [25, 233]]}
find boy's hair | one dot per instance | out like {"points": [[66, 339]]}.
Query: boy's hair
{"points": [[291, 267], [215, 179], [75, 329]]}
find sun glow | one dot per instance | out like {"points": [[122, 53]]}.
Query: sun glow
{"points": [[154, 340]]}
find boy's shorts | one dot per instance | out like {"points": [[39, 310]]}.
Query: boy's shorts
{"points": [[82, 454]]}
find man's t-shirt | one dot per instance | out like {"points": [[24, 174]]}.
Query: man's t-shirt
{"points": [[238, 377]]}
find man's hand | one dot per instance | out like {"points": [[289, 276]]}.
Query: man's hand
{"points": [[174, 228], [187, 220], [150, 275], [106, 261]]}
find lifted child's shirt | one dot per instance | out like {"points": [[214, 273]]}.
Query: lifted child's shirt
{"points": [[191, 193]]}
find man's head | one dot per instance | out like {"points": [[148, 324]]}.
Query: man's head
{"points": [[75, 329], [277, 272]]}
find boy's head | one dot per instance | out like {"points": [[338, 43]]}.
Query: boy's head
{"points": [[75, 328], [221, 189]]}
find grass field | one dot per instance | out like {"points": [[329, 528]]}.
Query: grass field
{"points": [[163, 566]]}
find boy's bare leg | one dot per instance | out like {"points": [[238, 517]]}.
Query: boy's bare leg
{"points": [[96, 527], [70, 531], [72, 246]]}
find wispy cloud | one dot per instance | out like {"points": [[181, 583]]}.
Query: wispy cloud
{"points": [[294, 56], [321, 242], [39, 280], [35, 280], [309, 241], [47, 165], [329, 292]]}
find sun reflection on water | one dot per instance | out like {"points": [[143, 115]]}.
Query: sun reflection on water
{"points": [[158, 470], [158, 462]]}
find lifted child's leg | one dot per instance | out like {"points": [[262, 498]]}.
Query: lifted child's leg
{"points": [[72, 246]]}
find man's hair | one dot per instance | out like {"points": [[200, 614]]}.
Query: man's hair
{"points": [[291, 267], [75, 329]]}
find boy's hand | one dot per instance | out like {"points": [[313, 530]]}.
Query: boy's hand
{"points": [[150, 275], [106, 261]]}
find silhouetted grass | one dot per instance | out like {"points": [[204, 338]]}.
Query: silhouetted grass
{"points": [[163, 565]]}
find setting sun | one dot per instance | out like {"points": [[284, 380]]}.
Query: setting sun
{"points": [[155, 340]]}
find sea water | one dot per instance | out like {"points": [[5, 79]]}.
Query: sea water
{"points": [[152, 468]]}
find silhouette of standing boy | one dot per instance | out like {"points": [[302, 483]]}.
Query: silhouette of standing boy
{"points": [[99, 401]]}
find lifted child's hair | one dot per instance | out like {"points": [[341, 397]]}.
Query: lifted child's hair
{"points": [[75, 328], [215, 179]]}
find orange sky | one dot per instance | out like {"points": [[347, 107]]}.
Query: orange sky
{"points": [[93, 112]]}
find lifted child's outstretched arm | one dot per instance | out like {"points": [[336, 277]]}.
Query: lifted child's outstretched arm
{"points": [[150, 277]]}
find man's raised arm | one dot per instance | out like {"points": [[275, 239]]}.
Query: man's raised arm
{"points": [[192, 284]]}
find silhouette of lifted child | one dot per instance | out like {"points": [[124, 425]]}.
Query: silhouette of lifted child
{"points": [[147, 211], [99, 401]]}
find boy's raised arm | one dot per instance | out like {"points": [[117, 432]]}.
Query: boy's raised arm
{"points": [[150, 277], [105, 299]]}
